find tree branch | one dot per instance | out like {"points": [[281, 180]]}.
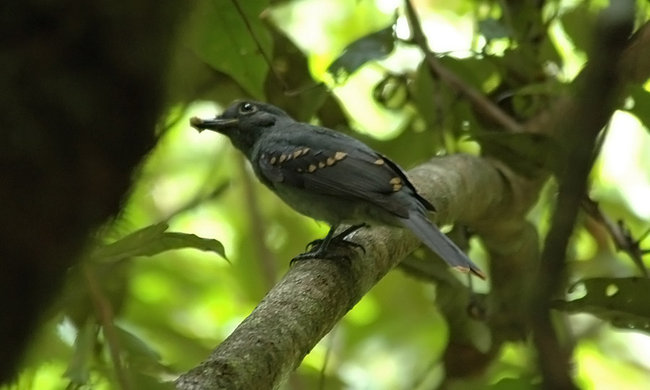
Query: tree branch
{"points": [[598, 90], [314, 295], [475, 97]]}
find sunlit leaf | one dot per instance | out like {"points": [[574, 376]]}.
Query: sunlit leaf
{"points": [[621, 301], [152, 240], [221, 37], [514, 384]]}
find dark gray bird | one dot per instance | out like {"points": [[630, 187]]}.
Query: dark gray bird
{"points": [[330, 176]]}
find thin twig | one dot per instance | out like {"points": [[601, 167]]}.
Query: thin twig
{"points": [[105, 316], [475, 97], [619, 232]]}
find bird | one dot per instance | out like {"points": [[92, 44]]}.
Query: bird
{"points": [[331, 177]]}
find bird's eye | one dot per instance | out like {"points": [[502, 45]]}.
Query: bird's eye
{"points": [[247, 108]]}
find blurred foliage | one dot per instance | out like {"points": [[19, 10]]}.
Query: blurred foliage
{"points": [[349, 65], [620, 301]]}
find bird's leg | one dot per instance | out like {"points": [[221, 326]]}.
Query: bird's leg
{"points": [[340, 238], [318, 248]]}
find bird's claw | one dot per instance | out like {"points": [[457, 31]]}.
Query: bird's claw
{"points": [[320, 255], [315, 249]]}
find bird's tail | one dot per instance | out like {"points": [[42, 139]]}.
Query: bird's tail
{"points": [[430, 235]]}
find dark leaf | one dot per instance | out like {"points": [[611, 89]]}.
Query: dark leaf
{"points": [[291, 86], [371, 47], [621, 301], [473, 71], [391, 92], [579, 25], [136, 347], [493, 29], [152, 240], [427, 97]]}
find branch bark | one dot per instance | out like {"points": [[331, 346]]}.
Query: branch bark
{"points": [[314, 295]]}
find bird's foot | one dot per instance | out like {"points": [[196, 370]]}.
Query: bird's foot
{"points": [[338, 240], [320, 249]]}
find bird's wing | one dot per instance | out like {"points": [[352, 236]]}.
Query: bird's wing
{"points": [[339, 166]]}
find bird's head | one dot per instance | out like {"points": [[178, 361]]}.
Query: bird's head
{"points": [[244, 122]]}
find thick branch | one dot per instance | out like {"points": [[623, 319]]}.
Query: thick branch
{"points": [[598, 91], [314, 295]]}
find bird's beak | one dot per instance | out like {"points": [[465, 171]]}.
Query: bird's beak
{"points": [[216, 124]]}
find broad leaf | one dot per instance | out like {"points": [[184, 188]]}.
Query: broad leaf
{"points": [[371, 47], [221, 37], [152, 240]]}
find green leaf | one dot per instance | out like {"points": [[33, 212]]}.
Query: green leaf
{"points": [[426, 95], [515, 384], [306, 96], [493, 29], [621, 301], [136, 347], [473, 71], [144, 362], [152, 240], [220, 36], [371, 47]]}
